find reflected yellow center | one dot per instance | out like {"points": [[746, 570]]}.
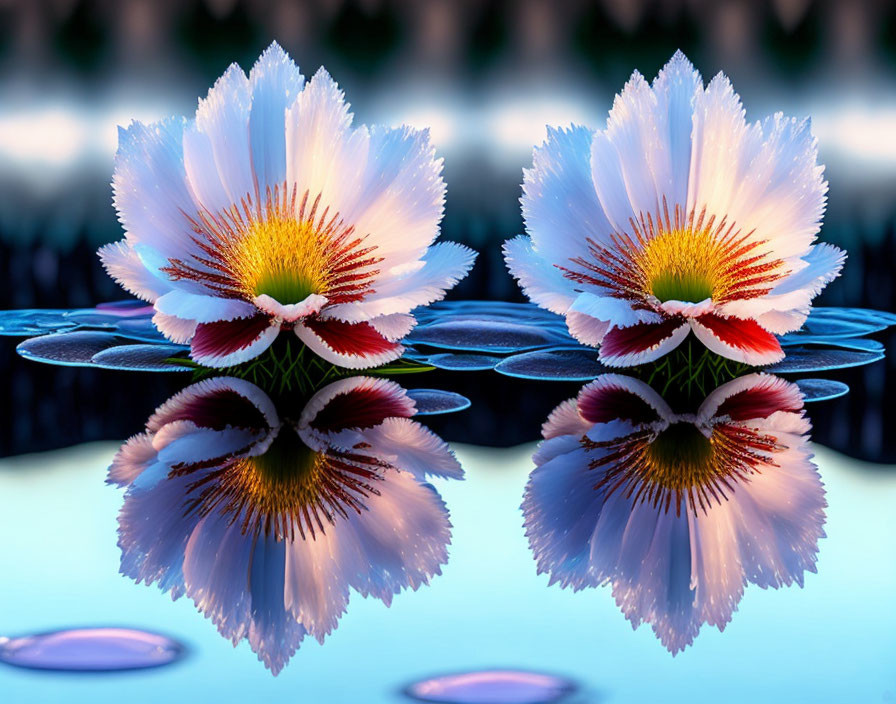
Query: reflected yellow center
{"points": [[284, 479], [679, 458]]}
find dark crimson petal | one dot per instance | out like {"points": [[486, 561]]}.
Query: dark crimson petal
{"points": [[362, 407], [769, 395], [216, 410], [615, 403], [357, 339], [747, 335], [227, 336], [637, 338]]}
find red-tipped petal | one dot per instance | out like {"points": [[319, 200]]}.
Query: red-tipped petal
{"points": [[358, 402], [613, 397], [229, 342], [644, 342], [742, 340], [352, 345]]}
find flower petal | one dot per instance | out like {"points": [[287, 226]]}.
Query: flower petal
{"points": [[411, 447], [178, 330], [203, 309], [291, 311], [218, 403], [153, 536], [751, 397], [779, 518], [351, 345], [402, 537], [675, 88], [641, 343], [741, 340], [617, 312], [560, 205], [561, 509], [131, 459], [356, 402], [317, 586], [275, 83], [793, 295], [324, 156], [224, 118], [124, 265], [226, 343], [400, 198], [565, 419], [541, 281], [613, 397], [443, 265], [150, 159]]}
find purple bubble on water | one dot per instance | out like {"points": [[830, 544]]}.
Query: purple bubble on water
{"points": [[91, 650], [492, 687]]}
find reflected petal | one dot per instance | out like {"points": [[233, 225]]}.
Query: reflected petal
{"points": [[267, 524], [676, 511]]}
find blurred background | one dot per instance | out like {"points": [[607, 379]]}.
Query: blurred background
{"points": [[485, 77]]}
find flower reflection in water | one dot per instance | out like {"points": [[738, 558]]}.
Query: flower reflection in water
{"points": [[677, 512], [266, 516]]}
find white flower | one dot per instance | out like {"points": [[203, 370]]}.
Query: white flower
{"points": [[266, 523], [677, 512], [270, 212], [679, 217]]}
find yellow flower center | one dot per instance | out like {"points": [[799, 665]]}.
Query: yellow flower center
{"points": [[280, 257], [683, 266], [681, 257], [285, 247]]}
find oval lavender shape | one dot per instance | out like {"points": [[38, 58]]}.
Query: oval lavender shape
{"points": [[492, 687], [91, 650]]}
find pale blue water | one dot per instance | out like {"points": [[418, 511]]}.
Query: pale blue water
{"points": [[833, 641]]}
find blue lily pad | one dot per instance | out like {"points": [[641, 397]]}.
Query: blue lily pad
{"points": [[821, 389], [842, 322], [142, 329], [848, 343], [500, 310], [128, 304], [37, 321], [463, 361], [559, 364], [432, 402], [478, 335], [808, 359], [67, 348], [79, 348], [141, 358], [33, 321]]}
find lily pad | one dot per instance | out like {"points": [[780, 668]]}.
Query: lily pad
{"points": [[431, 402]]}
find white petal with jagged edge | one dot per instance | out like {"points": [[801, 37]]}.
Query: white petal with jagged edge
{"points": [[275, 82], [203, 309], [403, 536], [443, 265], [541, 281], [560, 206], [123, 264], [400, 198], [325, 156], [224, 118], [411, 447]]}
